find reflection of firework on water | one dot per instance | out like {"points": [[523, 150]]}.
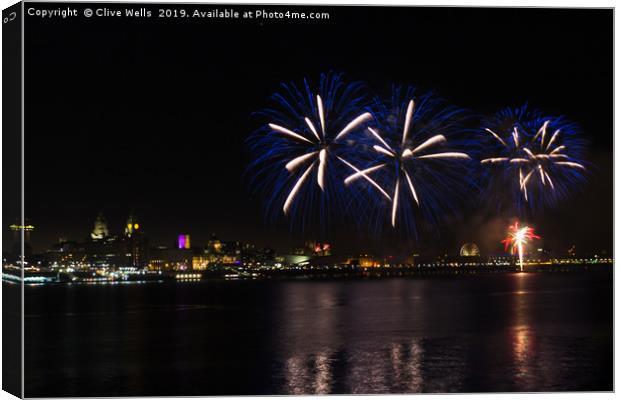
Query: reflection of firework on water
{"points": [[300, 153], [538, 159], [517, 239], [410, 166]]}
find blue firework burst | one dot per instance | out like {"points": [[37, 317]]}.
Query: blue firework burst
{"points": [[415, 162], [532, 160], [302, 147]]}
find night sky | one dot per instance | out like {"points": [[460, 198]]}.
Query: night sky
{"points": [[152, 115]]}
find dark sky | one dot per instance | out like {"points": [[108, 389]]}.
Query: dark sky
{"points": [[152, 115]]}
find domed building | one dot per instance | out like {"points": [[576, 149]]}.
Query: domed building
{"points": [[470, 250], [100, 231]]}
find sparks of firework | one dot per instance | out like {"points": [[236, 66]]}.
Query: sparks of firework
{"points": [[306, 129], [400, 154], [318, 146], [518, 237], [318, 142], [535, 158]]}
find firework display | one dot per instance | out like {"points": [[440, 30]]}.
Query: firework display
{"points": [[410, 160], [301, 153], [538, 158], [264, 199], [333, 149], [518, 237]]}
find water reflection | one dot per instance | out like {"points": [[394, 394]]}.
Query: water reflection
{"points": [[521, 332], [406, 365], [324, 354], [533, 359], [415, 374], [396, 369], [324, 378], [309, 374], [526, 332], [310, 323]]}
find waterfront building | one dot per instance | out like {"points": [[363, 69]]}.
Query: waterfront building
{"points": [[106, 253], [136, 244], [364, 261], [184, 242], [17, 229], [67, 255], [292, 259], [470, 250], [132, 225], [163, 258], [253, 256], [14, 255], [100, 230], [223, 253], [200, 263], [102, 250]]}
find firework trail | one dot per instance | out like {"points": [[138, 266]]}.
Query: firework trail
{"points": [[517, 239], [303, 148], [410, 165], [537, 159]]}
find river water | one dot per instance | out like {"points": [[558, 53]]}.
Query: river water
{"points": [[480, 333]]}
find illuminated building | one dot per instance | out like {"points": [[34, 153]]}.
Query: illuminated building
{"points": [[68, 254], [364, 261], [135, 244], [113, 251], [136, 252], [184, 242], [470, 250], [18, 228], [252, 256], [302, 255], [223, 253], [214, 245], [213, 250], [229, 259], [200, 263], [100, 230], [107, 252], [293, 259], [219, 253], [132, 225], [164, 258]]}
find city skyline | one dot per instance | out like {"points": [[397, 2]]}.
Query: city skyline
{"points": [[101, 230]]}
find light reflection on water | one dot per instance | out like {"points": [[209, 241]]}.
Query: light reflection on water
{"points": [[521, 335], [356, 350], [519, 332], [373, 372], [404, 342], [535, 356]]}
